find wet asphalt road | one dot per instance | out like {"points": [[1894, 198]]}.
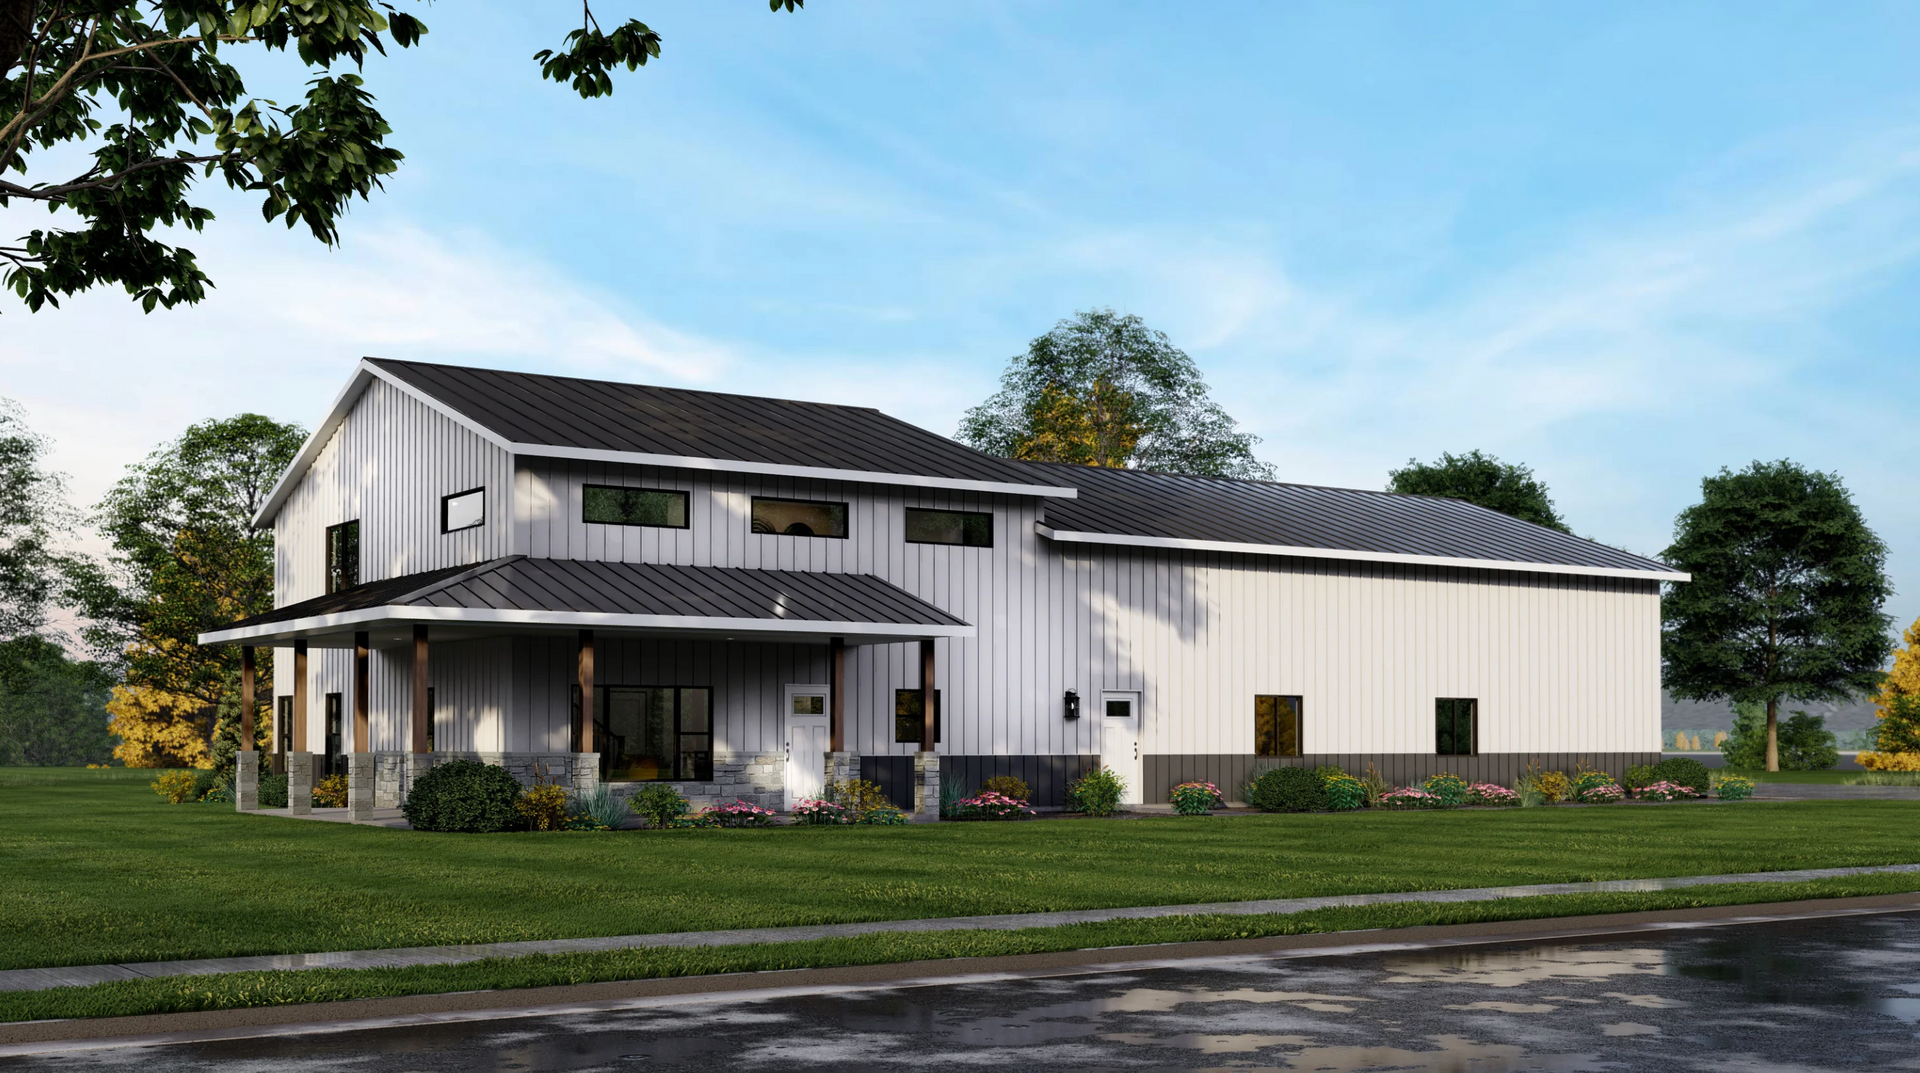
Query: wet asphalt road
{"points": [[1811, 995]]}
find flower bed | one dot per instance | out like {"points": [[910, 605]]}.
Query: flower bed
{"points": [[1666, 791], [1601, 795], [1345, 793], [1732, 787], [737, 814], [1489, 793], [1194, 798], [990, 806], [1410, 797], [814, 812]]}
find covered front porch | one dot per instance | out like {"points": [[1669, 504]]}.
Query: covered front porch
{"points": [[725, 682]]}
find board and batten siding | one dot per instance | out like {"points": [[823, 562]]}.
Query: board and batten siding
{"points": [[387, 466]]}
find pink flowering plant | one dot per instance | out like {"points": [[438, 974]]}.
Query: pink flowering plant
{"points": [[1410, 797], [1666, 791], [1600, 795], [816, 812], [1490, 793], [990, 806], [737, 814], [1194, 798]]}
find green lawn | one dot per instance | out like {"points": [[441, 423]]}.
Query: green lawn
{"points": [[95, 868]]}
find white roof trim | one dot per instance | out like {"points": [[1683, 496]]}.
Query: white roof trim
{"points": [[345, 620], [1124, 540]]}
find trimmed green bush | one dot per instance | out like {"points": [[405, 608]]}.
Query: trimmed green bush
{"points": [[658, 804], [465, 796], [1639, 775], [1288, 789], [1097, 793], [273, 791], [1683, 771]]}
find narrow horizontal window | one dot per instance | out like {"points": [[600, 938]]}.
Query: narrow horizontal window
{"points": [[907, 716], [1276, 726], [799, 517], [606, 505], [968, 529], [1456, 726], [463, 510]]}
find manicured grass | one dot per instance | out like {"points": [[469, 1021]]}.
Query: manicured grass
{"points": [[98, 869], [185, 993]]}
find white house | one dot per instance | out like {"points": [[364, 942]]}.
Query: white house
{"points": [[607, 581]]}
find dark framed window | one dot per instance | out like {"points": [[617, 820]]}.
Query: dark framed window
{"points": [[1276, 725], [1456, 726], [968, 529], [333, 763], [799, 517], [604, 504], [283, 726], [651, 733], [907, 715], [463, 510], [343, 556]]}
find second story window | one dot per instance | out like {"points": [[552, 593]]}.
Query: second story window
{"points": [[965, 528], [463, 510], [343, 556], [607, 505], [799, 517]]}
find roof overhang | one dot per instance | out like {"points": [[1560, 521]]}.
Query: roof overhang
{"points": [[366, 372], [393, 625], [1175, 543]]}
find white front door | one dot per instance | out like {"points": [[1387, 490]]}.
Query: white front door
{"points": [[807, 740], [1120, 742]]}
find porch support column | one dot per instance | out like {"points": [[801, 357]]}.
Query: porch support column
{"points": [[842, 766], [299, 758], [420, 723], [926, 762], [586, 760], [246, 775], [360, 762]]}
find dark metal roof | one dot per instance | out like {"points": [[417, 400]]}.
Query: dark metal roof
{"points": [[1133, 503], [560, 411], [517, 583]]}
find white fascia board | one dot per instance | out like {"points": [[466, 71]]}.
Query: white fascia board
{"points": [[1176, 543], [569, 620], [773, 469]]}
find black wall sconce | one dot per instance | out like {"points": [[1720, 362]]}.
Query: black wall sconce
{"points": [[1073, 704]]}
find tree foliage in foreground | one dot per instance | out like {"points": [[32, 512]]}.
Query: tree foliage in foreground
{"points": [[1786, 597], [149, 91], [1484, 481], [1104, 389]]}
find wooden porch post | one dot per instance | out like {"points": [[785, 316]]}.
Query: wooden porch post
{"points": [[926, 696], [836, 700], [586, 691], [420, 713], [299, 698], [360, 742], [246, 698]]}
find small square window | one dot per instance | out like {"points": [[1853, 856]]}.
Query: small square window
{"points": [[603, 504], [799, 517], [343, 556], [1456, 726], [1276, 726], [906, 715], [968, 529], [463, 510]]}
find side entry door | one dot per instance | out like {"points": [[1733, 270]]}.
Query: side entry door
{"points": [[807, 739]]}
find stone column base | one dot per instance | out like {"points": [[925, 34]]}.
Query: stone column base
{"points": [[585, 776], [926, 785], [360, 772], [299, 783], [246, 780], [841, 767]]}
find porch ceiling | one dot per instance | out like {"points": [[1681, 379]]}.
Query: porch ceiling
{"points": [[519, 595]]}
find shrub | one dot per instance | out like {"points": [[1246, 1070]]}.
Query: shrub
{"points": [[659, 805], [1682, 771], [544, 807], [458, 795], [1375, 784], [1345, 793], [1552, 785], [174, 787], [1007, 786], [1732, 787], [882, 816], [1596, 787], [1639, 775], [273, 791], [814, 812], [1889, 761], [988, 805], [1805, 742], [738, 814], [599, 809], [1287, 789], [1666, 791], [1487, 793], [331, 792], [1409, 797], [1097, 793], [219, 795], [1898, 729], [206, 781], [1451, 790], [1194, 798], [858, 795]]}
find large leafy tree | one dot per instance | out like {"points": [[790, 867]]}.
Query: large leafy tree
{"points": [[1483, 480], [1786, 597], [185, 559], [52, 708], [33, 516], [150, 93], [1104, 389]]}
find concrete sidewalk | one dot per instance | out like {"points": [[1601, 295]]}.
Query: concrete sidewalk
{"points": [[84, 975]]}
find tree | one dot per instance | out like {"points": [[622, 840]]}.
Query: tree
{"points": [[146, 90], [1903, 680], [1785, 601], [1805, 743], [52, 708], [33, 515], [186, 559], [1482, 480], [1106, 390], [158, 729]]}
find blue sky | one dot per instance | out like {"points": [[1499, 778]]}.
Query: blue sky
{"points": [[1625, 244]]}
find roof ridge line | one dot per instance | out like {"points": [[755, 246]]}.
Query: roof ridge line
{"points": [[447, 582]]}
